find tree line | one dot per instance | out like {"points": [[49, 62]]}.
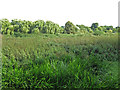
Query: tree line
{"points": [[49, 27]]}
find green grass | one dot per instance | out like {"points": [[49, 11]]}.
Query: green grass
{"points": [[60, 61]]}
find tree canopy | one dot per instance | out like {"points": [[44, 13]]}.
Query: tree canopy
{"points": [[49, 27]]}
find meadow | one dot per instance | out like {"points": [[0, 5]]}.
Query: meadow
{"points": [[60, 61]]}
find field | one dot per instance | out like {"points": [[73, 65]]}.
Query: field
{"points": [[60, 61]]}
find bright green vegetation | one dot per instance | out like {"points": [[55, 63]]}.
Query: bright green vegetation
{"points": [[17, 27], [60, 61]]}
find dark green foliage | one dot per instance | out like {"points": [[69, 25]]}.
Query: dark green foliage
{"points": [[110, 28], [94, 25]]}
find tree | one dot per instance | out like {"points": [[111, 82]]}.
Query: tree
{"points": [[81, 27], [61, 30], [110, 31], [5, 25], [109, 27], [3, 31], [11, 28], [8, 32], [89, 30], [35, 30], [57, 28], [25, 30], [45, 29], [94, 25], [15, 22], [96, 29], [69, 27], [39, 24], [100, 28], [16, 28]]}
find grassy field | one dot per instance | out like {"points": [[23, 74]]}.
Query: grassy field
{"points": [[60, 61]]}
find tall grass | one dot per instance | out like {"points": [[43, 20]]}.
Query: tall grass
{"points": [[60, 61]]}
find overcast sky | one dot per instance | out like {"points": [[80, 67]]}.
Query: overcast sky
{"points": [[86, 12]]}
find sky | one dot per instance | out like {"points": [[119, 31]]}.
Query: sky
{"points": [[85, 12]]}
